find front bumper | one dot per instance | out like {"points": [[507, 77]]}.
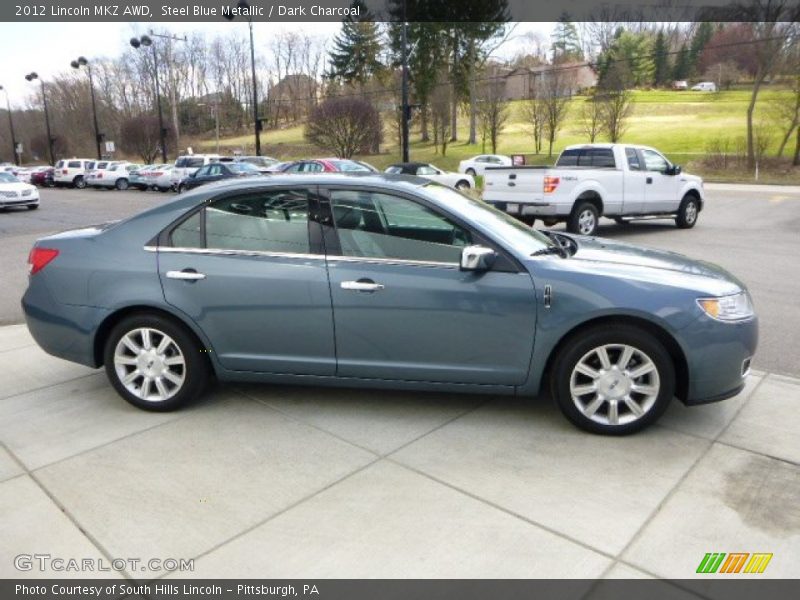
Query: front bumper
{"points": [[718, 357], [20, 201]]}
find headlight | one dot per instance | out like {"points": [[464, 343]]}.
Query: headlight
{"points": [[728, 308]]}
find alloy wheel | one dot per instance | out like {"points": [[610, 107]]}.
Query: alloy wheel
{"points": [[150, 364], [586, 222]]}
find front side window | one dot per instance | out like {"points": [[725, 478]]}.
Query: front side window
{"points": [[376, 225], [426, 170], [267, 221], [653, 161]]}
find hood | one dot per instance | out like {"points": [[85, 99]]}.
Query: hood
{"points": [[614, 253]]}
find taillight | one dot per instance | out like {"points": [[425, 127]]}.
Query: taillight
{"points": [[39, 258], [64, 171], [550, 184]]}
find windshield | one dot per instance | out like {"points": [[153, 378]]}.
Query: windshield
{"points": [[347, 166], [7, 178], [505, 228], [242, 167]]}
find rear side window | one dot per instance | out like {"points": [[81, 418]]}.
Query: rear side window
{"points": [[268, 221], [602, 158], [74, 164], [587, 157], [633, 159]]}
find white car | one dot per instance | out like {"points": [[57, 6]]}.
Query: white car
{"points": [[23, 174], [477, 164], [705, 86], [15, 193], [115, 175], [72, 171], [162, 178], [459, 181]]}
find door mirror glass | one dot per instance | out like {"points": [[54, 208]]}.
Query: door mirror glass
{"points": [[477, 258], [675, 170]]}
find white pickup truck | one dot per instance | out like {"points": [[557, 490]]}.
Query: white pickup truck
{"points": [[620, 181]]}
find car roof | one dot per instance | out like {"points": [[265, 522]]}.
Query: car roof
{"points": [[362, 179]]}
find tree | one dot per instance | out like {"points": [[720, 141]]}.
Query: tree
{"points": [[591, 118], [704, 33], [140, 136], [683, 65], [566, 43], [786, 115], [354, 57], [39, 146], [492, 112], [661, 70], [724, 73], [441, 99], [556, 89], [616, 104], [534, 115], [344, 126]]}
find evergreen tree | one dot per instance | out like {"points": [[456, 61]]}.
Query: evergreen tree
{"points": [[661, 69], [705, 31], [682, 64], [354, 58], [566, 43]]}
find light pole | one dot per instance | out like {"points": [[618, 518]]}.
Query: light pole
{"points": [[244, 6], [77, 64], [215, 108], [146, 41], [11, 127], [30, 77]]}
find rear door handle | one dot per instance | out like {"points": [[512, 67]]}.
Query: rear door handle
{"points": [[186, 275], [362, 285]]}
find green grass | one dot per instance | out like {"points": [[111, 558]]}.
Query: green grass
{"points": [[680, 124]]}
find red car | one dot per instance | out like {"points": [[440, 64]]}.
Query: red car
{"points": [[43, 177], [328, 165]]}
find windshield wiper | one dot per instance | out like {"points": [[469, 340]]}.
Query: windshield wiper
{"points": [[556, 249]]}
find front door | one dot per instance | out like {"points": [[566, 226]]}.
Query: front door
{"points": [[404, 310], [661, 189], [244, 270]]}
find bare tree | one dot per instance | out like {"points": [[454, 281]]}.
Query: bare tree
{"points": [[440, 104], [344, 126], [591, 118], [140, 136], [616, 102], [492, 112], [533, 113], [556, 90]]}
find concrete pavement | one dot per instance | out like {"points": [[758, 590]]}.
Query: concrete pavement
{"points": [[267, 481]]}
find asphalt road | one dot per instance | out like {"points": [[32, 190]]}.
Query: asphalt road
{"points": [[753, 231]]}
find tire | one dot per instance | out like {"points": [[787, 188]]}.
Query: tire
{"points": [[528, 220], [181, 188], [470, 172], [463, 185], [188, 376], [584, 219], [33, 206], [121, 184], [79, 182], [688, 212], [589, 394]]}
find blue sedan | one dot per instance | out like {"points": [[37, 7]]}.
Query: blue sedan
{"points": [[386, 281]]}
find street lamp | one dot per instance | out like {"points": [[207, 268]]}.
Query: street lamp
{"points": [[30, 77], [146, 41], [215, 108], [11, 126], [244, 6], [77, 64]]}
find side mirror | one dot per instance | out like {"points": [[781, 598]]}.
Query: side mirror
{"points": [[674, 170], [477, 258]]}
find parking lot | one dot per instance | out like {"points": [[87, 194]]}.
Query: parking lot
{"points": [[270, 481]]}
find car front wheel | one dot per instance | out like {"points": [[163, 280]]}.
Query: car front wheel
{"points": [[470, 172], [688, 212], [155, 364], [462, 185], [79, 182], [613, 380]]}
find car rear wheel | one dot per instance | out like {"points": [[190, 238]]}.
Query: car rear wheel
{"points": [[462, 185], [688, 212], [470, 171], [584, 219], [181, 188], [155, 364], [79, 182], [122, 184], [613, 380]]}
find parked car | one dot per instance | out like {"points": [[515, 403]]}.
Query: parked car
{"points": [[262, 163], [680, 85], [115, 175], [138, 178], [217, 172], [621, 181], [163, 178], [14, 193], [705, 86], [71, 171], [328, 165], [23, 174], [43, 176], [415, 286], [186, 165], [477, 164], [459, 181]]}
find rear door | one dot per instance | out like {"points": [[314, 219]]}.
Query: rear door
{"points": [[403, 309], [248, 268], [634, 184]]}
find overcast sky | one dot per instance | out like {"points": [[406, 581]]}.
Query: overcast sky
{"points": [[48, 48]]}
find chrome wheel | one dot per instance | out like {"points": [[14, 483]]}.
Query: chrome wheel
{"points": [[614, 384], [149, 364], [586, 222], [690, 214]]}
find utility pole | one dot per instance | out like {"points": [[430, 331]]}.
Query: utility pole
{"points": [[146, 41], [11, 127], [406, 109], [244, 8], [77, 64], [30, 77]]}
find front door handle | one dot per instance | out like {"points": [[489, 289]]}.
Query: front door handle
{"points": [[649, 180], [186, 275], [362, 285]]}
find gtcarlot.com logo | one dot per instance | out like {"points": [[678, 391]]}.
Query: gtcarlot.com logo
{"points": [[734, 562], [47, 562]]}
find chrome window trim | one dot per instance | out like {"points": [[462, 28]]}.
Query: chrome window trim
{"points": [[349, 259]]}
